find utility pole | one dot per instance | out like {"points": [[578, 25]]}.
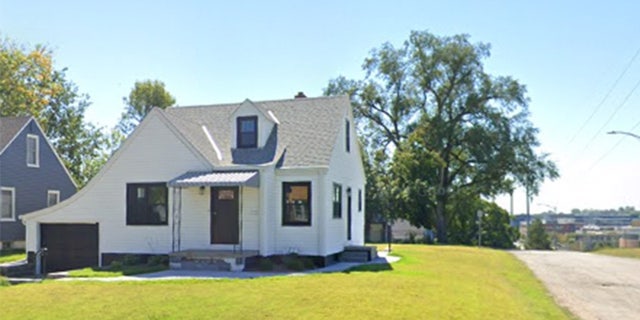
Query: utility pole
{"points": [[480, 215], [511, 204], [528, 213]]}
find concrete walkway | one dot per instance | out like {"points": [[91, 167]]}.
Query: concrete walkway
{"points": [[383, 258]]}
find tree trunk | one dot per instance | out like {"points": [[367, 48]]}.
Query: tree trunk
{"points": [[441, 198], [441, 222]]}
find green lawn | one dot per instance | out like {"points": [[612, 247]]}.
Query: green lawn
{"points": [[621, 252], [430, 282], [12, 255]]}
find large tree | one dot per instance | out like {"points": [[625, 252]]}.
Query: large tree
{"points": [[449, 127], [144, 96], [30, 85]]}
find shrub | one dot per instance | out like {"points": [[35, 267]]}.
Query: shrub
{"points": [[265, 265], [115, 265], [537, 238], [130, 260], [293, 262], [4, 282], [308, 263], [158, 260]]}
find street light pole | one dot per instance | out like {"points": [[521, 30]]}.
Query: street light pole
{"points": [[625, 133]]}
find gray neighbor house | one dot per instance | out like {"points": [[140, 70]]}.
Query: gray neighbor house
{"points": [[32, 176]]}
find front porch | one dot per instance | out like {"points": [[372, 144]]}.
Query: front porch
{"points": [[217, 260], [215, 220]]}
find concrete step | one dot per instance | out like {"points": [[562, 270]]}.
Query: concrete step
{"points": [[17, 269], [210, 264], [354, 256], [358, 254]]}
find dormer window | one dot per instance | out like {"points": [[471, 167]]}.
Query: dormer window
{"points": [[247, 130], [33, 151]]}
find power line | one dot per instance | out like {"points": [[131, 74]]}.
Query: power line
{"points": [[612, 148], [635, 87], [606, 96]]}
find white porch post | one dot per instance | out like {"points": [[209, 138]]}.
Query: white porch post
{"points": [[266, 184], [177, 216], [322, 215]]}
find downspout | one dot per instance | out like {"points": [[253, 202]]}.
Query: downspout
{"points": [[241, 222]]}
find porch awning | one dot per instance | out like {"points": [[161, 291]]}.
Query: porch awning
{"points": [[217, 179]]}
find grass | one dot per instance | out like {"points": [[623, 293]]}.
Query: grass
{"points": [[430, 282], [12, 255], [96, 272], [620, 252]]}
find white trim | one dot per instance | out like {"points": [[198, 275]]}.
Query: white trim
{"points": [[114, 158], [13, 203], [53, 192], [37, 146], [48, 143], [273, 117], [213, 143], [64, 167]]}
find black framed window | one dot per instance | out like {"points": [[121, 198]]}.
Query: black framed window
{"points": [[348, 135], [337, 201], [359, 200], [247, 128], [296, 203], [147, 204]]}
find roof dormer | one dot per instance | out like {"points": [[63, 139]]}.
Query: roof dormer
{"points": [[251, 125]]}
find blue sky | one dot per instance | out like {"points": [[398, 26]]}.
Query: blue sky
{"points": [[568, 53]]}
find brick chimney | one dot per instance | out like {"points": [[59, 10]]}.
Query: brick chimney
{"points": [[300, 95]]}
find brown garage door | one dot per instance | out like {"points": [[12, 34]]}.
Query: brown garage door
{"points": [[69, 246]]}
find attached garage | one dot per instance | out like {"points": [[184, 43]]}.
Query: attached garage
{"points": [[69, 246]]}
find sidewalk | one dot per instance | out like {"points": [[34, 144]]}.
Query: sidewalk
{"points": [[382, 258]]}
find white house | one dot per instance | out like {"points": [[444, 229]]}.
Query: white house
{"points": [[261, 178]]}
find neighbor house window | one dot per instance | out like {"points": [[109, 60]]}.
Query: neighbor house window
{"points": [[8, 204], [247, 132], [359, 200], [53, 197], [146, 204], [296, 203], [33, 151], [337, 201], [348, 136]]}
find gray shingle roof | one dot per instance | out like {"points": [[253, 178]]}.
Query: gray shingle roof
{"points": [[305, 137], [9, 128]]}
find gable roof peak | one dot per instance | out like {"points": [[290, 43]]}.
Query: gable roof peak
{"points": [[10, 127]]}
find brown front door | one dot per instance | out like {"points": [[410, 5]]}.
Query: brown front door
{"points": [[224, 215]]}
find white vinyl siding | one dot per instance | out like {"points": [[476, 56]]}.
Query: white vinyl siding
{"points": [[195, 226], [8, 204], [33, 151], [346, 169], [152, 153], [300, 239]]}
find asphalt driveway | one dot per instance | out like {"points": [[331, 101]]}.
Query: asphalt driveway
{"points": [[589, 285]]}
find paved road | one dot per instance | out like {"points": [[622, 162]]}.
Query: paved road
{"points": [[591, 286]]}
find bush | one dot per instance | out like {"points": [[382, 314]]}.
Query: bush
{"points": [[537, 238], [115, 265], [131, 260], [265, 265], [4, 282], [308, 263], [158, 260], [293, 262]]}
